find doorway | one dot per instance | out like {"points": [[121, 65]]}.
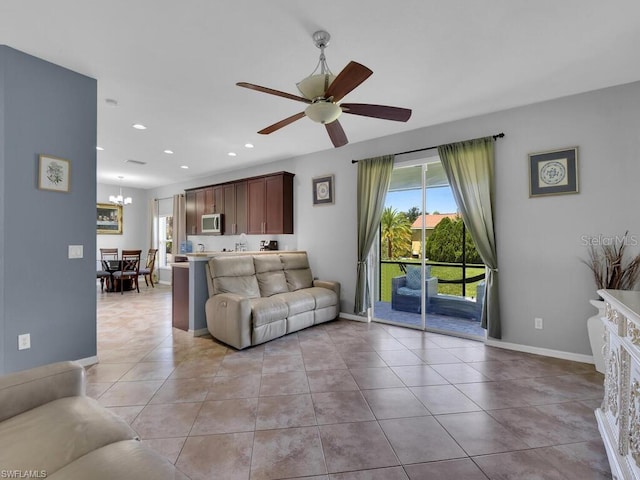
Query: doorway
{"points": [[428, 274]]}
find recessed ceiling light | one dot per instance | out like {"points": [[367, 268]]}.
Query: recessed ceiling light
{"points": [[99, 149], [169, 152], [232, 154], [248, 145], [186, 167], [139, 126]]}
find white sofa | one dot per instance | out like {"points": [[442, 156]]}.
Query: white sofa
{"points": [[256, 298], [50, 428]]}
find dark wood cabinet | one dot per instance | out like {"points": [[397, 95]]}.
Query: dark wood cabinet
{"points": [[271, 204], [256, 199], [191, 215], [258, 205], [217, 194], [235, 208]]}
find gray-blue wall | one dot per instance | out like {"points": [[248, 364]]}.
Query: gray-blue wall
{"points": [[46, 109]]}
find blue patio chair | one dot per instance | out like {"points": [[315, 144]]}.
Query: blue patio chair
{"points": [[406, 291]]}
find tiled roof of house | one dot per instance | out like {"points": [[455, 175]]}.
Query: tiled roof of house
{"points": [[432, 220]]}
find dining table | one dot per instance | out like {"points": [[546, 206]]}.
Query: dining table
{"points": [[113, 266]]}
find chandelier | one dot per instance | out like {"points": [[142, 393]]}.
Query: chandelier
{"points": [[119, 199]]}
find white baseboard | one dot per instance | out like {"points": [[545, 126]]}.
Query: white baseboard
{"points": [[200, 332], [547, 352], [351, 316], [86, 362]]}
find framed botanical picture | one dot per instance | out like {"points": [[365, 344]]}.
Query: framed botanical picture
{"points": [[109, 219], [323, 190], [554, 172], [53, 173]]}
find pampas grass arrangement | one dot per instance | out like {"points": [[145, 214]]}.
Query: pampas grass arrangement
{"points": [[611, 269]]}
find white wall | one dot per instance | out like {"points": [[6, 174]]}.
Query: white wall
{"points": [[539, 239], [135, 220]]}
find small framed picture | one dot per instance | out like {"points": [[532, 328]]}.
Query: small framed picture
{"points": [[109, 219], [54, 173], [554, 172], [323, 190]]}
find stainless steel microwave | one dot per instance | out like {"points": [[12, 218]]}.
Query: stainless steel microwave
{"points": [[211, 223]]}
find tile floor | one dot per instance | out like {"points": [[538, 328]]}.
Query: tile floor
{"points": [[344, 401]]}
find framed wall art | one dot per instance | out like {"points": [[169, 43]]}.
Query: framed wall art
{"points": [[323, 193], [53, 173], [554, 172], [109, 219]]}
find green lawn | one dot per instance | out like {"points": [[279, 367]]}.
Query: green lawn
{"points": [[390, 270]]}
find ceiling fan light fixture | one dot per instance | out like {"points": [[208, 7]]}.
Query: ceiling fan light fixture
{"points": [[323, 112], [314, 86]]}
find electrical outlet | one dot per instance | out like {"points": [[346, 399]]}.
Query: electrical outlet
{"points": [[24, 341], [537, 322]]}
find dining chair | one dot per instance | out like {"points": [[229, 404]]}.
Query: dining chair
{"points": [[129, 268], [104, 273], [147, 271]]}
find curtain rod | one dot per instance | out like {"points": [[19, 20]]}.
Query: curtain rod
{"points": [[495, 137]]}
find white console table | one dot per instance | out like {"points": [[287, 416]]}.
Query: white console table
{"points": [[619, 416]]}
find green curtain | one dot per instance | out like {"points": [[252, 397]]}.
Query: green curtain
{"points": [[374, 175], [470, 169]]}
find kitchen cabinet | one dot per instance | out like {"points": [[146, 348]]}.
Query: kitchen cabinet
{"points": [[270, 201], [191, 215], [619, 416], [257, 205], [235, 208], [217, 199]]}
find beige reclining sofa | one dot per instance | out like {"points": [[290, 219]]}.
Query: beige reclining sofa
{"points": [[50, 429], [256, 298]]}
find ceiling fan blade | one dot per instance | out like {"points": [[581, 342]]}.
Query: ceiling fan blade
{"points": [[336, 133], [377, 111], [281, 123], [271, 91], [349, 78]]}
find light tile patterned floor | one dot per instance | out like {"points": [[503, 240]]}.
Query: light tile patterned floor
{"points": [[344, 401]]}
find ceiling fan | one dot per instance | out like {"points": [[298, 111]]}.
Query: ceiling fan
{"points": [[323, 92]]}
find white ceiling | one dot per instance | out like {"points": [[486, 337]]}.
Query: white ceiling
{"points": [[172, 65]]}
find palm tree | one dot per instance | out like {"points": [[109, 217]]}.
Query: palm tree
{"points": [[396, 231]]}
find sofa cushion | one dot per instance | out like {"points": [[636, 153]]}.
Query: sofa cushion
{"points": [[267, 263], [409, 292], [271, 279], [125, 460], [323, 296], [246, 286], [298, 302], [297, 271], [297, 279], [271, 283], [294, 261], [232, 266], [57, 433], [268, 309], [414, 278]]}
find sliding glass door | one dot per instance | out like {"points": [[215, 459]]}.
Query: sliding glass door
{"points": [[428, 274]]}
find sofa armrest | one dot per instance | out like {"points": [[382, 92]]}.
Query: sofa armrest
{"points": [[22, 391], [229, 319], [328, 284]]}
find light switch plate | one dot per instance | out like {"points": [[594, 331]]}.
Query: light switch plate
{"points": [[24, 341], [76, 251]]}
